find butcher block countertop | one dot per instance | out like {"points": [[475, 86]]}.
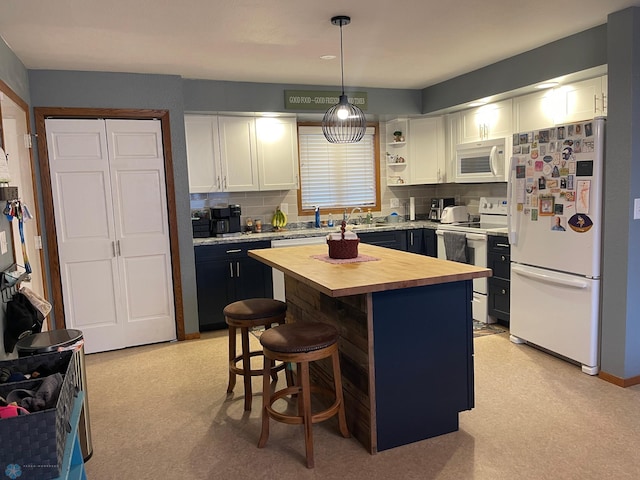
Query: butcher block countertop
{"points": [[394, 269]]}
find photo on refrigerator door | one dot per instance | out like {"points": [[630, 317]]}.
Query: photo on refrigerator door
{"points": [[557, 224]]}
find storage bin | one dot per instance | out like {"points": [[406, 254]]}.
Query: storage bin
{"points": [[34, 444]]}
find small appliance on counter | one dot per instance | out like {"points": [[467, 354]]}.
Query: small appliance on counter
{"points": [[455, 214], [225, 221], [437, 207], [201, 223]]}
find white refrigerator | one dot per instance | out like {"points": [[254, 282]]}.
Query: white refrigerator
{"points": [[555, 222]]}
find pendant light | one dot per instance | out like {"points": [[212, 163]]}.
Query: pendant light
{"points": [[344, 122]]}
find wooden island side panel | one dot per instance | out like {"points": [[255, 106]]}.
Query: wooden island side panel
{"points": [[352, 318]]}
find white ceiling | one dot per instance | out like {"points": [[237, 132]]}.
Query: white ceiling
{"points": [[403, 44]]}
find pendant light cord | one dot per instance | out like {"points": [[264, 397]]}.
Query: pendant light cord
{"points": [[341, 59]]}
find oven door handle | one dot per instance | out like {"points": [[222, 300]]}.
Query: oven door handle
{"points": [[476, 236]]}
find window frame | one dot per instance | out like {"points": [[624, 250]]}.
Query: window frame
{"points": [[339, 209]]}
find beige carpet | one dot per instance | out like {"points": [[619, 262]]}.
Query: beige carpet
{"points": [[161, 411]]}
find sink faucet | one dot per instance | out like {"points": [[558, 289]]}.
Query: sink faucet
{"points": [[348, 218]]}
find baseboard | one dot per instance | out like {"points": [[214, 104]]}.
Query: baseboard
{"points": [[621, 382], [192, 336]]}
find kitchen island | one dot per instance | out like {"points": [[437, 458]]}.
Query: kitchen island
{"points": [[406, 336]]}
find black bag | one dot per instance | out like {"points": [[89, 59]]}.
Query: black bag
{"points": [[22, 319]]}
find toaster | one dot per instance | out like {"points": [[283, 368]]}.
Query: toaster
{"points": [[454, 214]]}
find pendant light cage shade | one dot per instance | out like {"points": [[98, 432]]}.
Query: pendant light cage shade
{"points": [[344, 122]]}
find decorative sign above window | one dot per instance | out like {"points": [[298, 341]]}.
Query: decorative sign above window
{"points": [[320, 99]]}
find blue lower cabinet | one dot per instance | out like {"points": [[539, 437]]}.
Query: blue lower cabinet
{"points": [[224, 274]]}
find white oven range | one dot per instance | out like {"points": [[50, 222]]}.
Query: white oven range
{"points": [[493, 219]]}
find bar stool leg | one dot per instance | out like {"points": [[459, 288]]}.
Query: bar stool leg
{"points": [[246, 365], [274, 375], [342, 419], [266, 399], [305, 399], [232, 356]]}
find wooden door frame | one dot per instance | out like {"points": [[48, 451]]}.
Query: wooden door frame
{"points": [[15, 98], [43, 113]]}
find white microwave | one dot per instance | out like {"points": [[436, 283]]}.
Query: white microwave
{"points": [[482, 161]]}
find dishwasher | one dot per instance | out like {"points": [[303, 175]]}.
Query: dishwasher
{"points": [[278, 276]]}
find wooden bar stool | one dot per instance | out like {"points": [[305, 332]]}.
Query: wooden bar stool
{"points": [[246, 314], [301, 343]]}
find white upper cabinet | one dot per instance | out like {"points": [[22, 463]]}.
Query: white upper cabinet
{"points": [[203, 153], [488, 121], [238, 154], [534, 111], [277, 141], [241, 154], [581, 100], [426, 150]]}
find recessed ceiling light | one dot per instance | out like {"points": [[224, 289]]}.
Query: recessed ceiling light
{"points": [[328, 57], [547, 85]]}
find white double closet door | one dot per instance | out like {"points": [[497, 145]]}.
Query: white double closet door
{"points": [[109, 193]]}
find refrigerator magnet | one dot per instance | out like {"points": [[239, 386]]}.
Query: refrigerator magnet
{"points": [[542, 183], [527, 211], [543, 136], [534, 154], [557, 224], [552, 183], [569, 182], [583, 195], [587, 146], [570, 130], [525, 149], [580, 223], [578, 129], [520, 171], [546, 205], [572, 167], [534, 214], [570, 196], [588, 129], [567, 152], [556, 172], [538, 164], [524, 138], [560, 133], [563, 183], [577, 146], [516, 139], [546, 169], [558, 209], [584, 168]]}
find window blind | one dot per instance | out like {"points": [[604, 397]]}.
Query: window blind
{"points": [[336, 175]]}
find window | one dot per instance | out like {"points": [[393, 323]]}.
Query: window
{"points": [[337, 176]]}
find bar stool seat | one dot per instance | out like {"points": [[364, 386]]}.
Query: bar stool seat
{"points": [[244, 315], [302, 343]]}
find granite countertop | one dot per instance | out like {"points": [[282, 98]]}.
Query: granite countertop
{"points": [[385, 269], [313, 232], [320, 232]]}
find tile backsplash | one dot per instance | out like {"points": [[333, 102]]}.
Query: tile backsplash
{"points": [[263, 204]]}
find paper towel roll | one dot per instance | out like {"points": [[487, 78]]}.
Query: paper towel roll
{"points": [[412, 208]]}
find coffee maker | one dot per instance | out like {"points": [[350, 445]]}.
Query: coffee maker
{"points": [[225, 220], [438, 205]]}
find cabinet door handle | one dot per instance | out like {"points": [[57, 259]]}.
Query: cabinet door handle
{"points": [[411, 233], [218, 182], [502, 245], [503, 258], [113, 247], [118, 248], [604, 103], [231, 269], [595, 103], [235, 250], [225, 182], [504, 292], [238, 269]]}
